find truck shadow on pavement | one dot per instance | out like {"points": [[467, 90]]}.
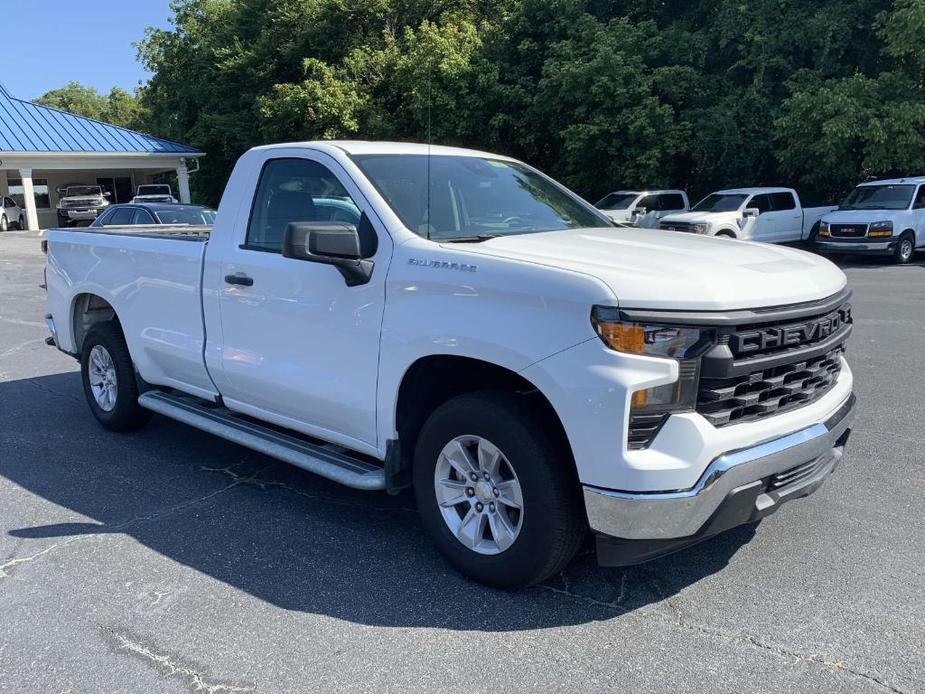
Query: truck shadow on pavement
{"points": [[272, 531]]}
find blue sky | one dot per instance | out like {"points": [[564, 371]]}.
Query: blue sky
{"points": [[48, 43]]}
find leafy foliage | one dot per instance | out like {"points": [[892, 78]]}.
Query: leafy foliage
{"points": [[118, 107], [603, 94]]}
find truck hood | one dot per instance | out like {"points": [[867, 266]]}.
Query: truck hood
{"points": [[649, 268], [695, 217], [860, 216]]}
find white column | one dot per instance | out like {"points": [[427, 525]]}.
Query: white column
{"points": [[32, 217], [183, 180]]}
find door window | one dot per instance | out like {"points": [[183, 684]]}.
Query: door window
{"points": [[650, 202], [295, 190], [761, 202], [783, 201], [919, 199], [121, 217], [142, 216], [670, 201]]}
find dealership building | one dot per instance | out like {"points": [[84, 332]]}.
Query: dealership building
{"points": [[43, 149]]}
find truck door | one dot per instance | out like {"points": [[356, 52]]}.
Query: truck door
{"points": [[299, 347], [918, 216], [763, 226], [788, 218]]}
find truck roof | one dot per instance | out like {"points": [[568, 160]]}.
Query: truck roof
{"points": [[647, 191], [369, 147], [752, 191], [894, 181]]}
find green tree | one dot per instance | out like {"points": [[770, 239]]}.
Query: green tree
{"points": [[118, 107]]}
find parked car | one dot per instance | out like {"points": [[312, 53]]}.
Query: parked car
{"points": [[877, 218], [80, 203], [773, 215], [643, 208], [154, 192], [11, 215], [154, 213], [530, 370]]}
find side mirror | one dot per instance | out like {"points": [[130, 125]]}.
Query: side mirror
{"points": [[60, 190], [107, 194], [751, 212], [329, 243], [641, 211]]}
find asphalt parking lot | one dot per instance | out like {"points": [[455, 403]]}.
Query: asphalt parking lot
{"points": [[170, 561]]}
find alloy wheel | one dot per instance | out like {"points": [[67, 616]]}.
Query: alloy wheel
{"points": [[102, 376], [479, 494]]}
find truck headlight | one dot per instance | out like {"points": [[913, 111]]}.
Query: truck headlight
{"points": [[881, 228], [824, 229], [682, 343], [702, 228]]}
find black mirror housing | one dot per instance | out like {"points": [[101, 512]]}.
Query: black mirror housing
{"points": [[329, 243]]}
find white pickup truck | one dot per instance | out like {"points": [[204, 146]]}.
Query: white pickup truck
{"points": [[644, 208], [460, 323], [771, 215]]}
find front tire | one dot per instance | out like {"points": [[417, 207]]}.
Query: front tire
{"points": [[108, 377], [905, 249], [4, 224], [497, 494], [725, 235]]}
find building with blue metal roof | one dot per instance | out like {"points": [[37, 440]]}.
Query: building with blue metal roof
{"points": [[44, 150]]}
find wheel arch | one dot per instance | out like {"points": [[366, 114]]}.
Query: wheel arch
{"points": [[434, 379], [87, 310]]}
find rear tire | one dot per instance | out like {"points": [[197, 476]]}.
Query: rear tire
{"points": [[905, 249], [108, 376], [528, 544], [4, 224]]}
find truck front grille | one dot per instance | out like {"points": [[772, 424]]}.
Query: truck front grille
{"points": [[768, 391], [848, 230], [675, 226]]}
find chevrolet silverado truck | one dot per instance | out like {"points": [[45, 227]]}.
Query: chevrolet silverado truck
{"points": [[642, 208], [478, 333], [80, 203], [771, 215], [877, 218]]}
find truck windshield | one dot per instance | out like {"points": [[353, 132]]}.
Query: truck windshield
{"points": [[720, 202], [878, 198], [72, 191], [154, 190], [184, 215], [616, 201], [472, 197]]}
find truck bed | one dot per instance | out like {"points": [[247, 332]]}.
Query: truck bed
{"points": [[154, 280], [187, 232]]}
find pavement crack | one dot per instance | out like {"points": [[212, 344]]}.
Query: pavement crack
{"points": [[740, 638], [7, 567], [264, 484], [172, 666]]}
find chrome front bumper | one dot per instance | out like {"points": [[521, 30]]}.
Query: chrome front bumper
{"points": [[856, 247], [742, 474]]}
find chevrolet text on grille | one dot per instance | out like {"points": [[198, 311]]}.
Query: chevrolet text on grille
{"points": [[785, 336]]}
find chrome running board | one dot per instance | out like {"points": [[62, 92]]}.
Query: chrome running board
{"points": [[327, 461]]}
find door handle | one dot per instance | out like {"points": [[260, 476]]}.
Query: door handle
{"points": [[240, 278]]}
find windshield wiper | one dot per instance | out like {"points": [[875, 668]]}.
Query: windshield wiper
{"points": [[478, 238]]}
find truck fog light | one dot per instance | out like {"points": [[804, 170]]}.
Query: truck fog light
{"points": [[680, 396]]}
